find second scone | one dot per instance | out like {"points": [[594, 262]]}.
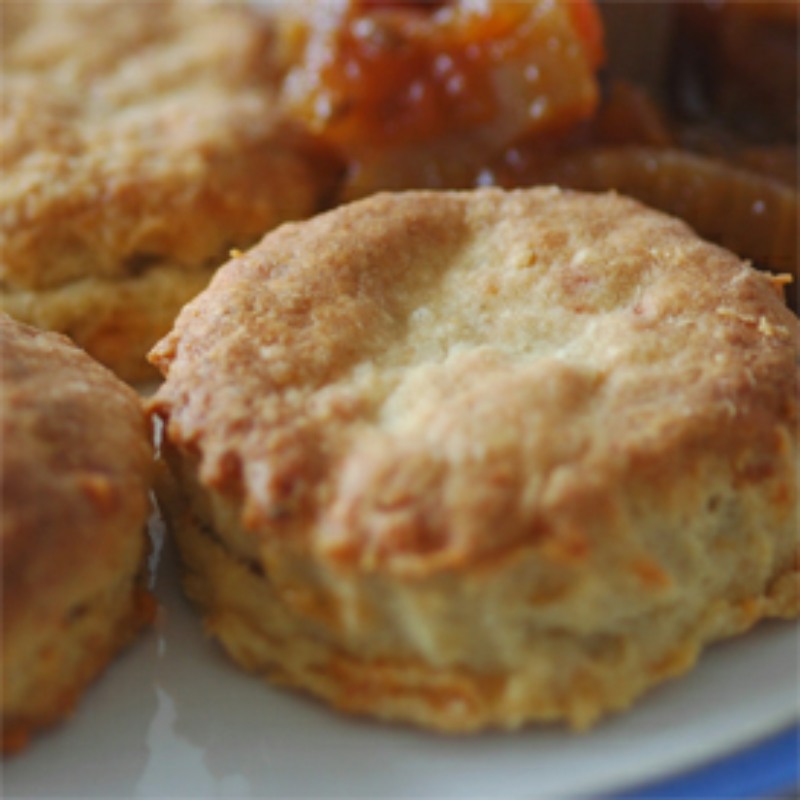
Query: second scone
{"points": [[475, 459], [141, 142]]}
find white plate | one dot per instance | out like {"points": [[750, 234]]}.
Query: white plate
{"points": [[173, 718]]}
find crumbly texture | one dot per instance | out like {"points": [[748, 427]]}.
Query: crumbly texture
{"points": [[474, 459], [76, 472], [152, 148]]}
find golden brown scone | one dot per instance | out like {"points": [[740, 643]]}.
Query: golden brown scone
{"points": [[76, 470], [141, 141], [475, 459]]}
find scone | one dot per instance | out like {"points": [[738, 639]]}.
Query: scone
{"points": [[141, 142], [483, 458], [76, 467]]}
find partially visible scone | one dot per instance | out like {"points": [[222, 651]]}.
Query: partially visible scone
{"points": [[141, 142], [476, 459], [75, 471]]}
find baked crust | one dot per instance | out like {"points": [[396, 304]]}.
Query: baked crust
{"points": [[157, 146], [76, 472], [538, 438]]}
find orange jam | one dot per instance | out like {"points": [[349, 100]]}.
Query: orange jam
{"points": [[385, 74]]}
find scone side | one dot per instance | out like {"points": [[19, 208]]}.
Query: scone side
{"points": [[302, 625], [45, 674]]}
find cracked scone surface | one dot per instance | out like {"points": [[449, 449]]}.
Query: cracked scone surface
{"points": [[141, 141], [76, 467], [476, 459]]}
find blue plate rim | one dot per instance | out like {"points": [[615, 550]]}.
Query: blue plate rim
{"points": [[769, 767]]}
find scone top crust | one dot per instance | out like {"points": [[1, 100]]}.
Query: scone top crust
{"points": [[76, 470], [422, 381], [141, 133]]}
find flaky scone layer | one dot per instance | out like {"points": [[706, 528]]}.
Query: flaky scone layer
{"points": [[500, 647], [75, 473], [540, 439], [156, 146]]}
